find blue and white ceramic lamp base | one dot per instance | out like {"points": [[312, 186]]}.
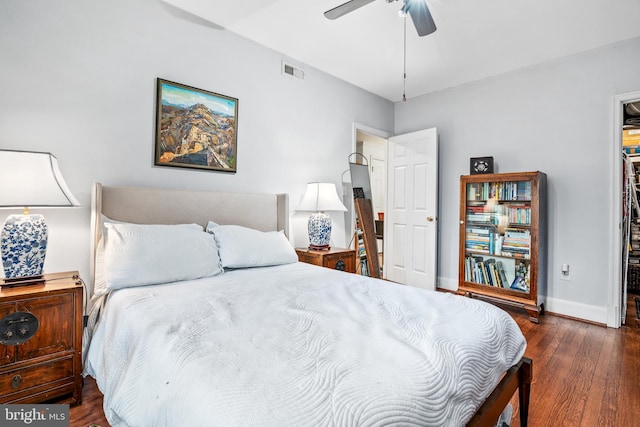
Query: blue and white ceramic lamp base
{"points": [[24, 246], [319, 227]]}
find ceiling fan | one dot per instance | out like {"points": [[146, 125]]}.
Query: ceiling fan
{"points": [[417, 9]]}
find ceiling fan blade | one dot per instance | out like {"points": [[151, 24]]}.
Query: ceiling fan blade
{"points": [[420, 16], [345, 8]]}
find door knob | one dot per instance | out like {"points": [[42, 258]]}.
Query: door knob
{"points": [[430, 218]]}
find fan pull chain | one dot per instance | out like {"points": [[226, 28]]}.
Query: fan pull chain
{"points": [[404, 74]]}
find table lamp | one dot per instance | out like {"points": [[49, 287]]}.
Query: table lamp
{"points": [[320, 197], [28, 179]]}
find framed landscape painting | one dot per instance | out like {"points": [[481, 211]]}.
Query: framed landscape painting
{"points": [[195, 128]]}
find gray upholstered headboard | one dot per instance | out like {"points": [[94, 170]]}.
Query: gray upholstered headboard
{"points": [[265, 212]]}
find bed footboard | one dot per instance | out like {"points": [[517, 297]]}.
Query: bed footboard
{"points": [[517, 377]]}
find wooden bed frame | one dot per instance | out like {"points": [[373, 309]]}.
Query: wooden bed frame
{"points": [[518, 377], [265, 212]]}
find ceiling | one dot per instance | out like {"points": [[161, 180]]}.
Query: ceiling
{"points": [[475, 39]]}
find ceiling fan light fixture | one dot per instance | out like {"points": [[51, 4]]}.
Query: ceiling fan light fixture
{"points": [[417, 9]]}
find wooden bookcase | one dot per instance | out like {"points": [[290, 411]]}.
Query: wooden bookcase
{"points": [[502, 256]]}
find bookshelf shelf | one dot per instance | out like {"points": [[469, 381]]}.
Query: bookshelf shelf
{"points": [[503, 239]]}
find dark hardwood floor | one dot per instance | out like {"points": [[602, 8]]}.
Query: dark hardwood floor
{"points": [[583, 375], [90, 411]]}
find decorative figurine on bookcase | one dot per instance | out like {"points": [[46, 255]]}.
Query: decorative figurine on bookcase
{"points": [[481, 165], [520, 282]]}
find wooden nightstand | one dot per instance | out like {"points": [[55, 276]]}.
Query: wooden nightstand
{"points": [[49, 364], [336, 258]]}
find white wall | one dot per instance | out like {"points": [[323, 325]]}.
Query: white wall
{"points": [[78, 80], [556, 118]]}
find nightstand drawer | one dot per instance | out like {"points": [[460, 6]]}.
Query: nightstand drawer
{"points": [[341, 261], [334, 258], [36, 376]]}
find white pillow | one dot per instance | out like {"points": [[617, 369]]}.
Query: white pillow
{"points": [[100, 280], [143, 254], [242, 247]]}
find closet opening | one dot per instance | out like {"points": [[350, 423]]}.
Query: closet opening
{"points": [[630, 224]]}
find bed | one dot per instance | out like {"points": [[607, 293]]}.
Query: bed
{"points": [[263, 340]]}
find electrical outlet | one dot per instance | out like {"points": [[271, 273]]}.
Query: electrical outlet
{"points": [[565, 273]]}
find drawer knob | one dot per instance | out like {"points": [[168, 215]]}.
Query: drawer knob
{"points": [[340, 265], [15, 382]]}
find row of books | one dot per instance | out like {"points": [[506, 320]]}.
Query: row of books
{"points": [[483, 240], [517, 243], [519, 213], [511, 190], [491, 272], [362, 254], [485, 214]]}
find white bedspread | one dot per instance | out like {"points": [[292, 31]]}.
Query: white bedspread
{"points": [[297, 345]]}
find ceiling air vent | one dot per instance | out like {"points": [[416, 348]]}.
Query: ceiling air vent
{"points": [[292, 71]]}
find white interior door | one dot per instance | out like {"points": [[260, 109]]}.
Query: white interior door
{"points": [[411, 230]]}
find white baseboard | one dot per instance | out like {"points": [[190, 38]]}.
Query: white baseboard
{"points": [[578, 310], [614, 317], [447, 283]]}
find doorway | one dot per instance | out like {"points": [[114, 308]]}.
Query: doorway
{"points": [[406, 187], [371, 148], [617, 288]]}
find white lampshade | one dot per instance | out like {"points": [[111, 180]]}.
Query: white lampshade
{"points": [[32, 179], [28, 179], [320, 197]]}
